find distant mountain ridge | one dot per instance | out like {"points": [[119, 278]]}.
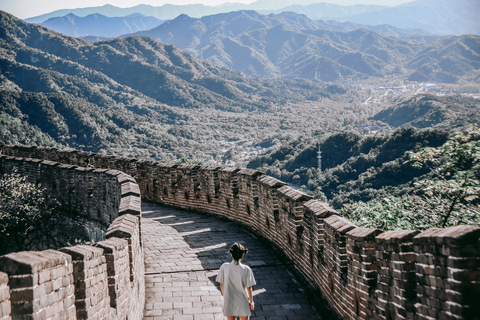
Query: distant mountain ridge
{"points": [[292, 45], [164, 12], [100, 25], [444, 17]]}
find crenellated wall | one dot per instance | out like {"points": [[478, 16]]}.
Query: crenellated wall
{"points": [[104, 281], [361, 273]]}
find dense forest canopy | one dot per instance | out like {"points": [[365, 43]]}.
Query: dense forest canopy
{"points": [[372, 176]]}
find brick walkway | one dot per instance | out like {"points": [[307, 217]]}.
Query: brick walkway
{"points": [[183, 252]]}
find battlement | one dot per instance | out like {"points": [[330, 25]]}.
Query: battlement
{"points": [[104, 281], [361, 273]]}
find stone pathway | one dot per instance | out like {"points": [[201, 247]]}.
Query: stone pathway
{"points": [[183, 252]]}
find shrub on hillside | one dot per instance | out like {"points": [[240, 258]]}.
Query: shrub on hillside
{"points": [[30, 219]]}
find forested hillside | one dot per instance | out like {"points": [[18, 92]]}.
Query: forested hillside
{"points": [[410, 179], [138, 97], [353, 167], [428, 111]]}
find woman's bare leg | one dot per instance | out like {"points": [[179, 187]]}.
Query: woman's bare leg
{"points": [[232, 318], [244, 318]]}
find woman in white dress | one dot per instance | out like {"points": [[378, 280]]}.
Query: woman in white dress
{"points": [[236, 281]]}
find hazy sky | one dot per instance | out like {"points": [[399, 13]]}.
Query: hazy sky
{"points": [[30, 8]]}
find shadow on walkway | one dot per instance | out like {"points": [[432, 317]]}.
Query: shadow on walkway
{"points": [[183, 252]]}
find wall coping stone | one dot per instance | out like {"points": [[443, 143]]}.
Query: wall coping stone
{"points": [[294, 194], [367, 234], [166, 165], [114, 172], [48, 162], [130, 204], [28, 262], [130, 188], [320, 209], [189, 166], [67, 166], [123, 228], [123, 177], [112, 244], [250, 172], [340, 224], [229, 169], [397, 236], [211, 168], [456, 235], [81, 252], [271, 182]]}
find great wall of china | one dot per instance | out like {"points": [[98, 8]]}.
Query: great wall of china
{"points": [[361, 273]]}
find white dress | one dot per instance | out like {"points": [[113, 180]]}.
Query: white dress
{"points": [[236, 278]]}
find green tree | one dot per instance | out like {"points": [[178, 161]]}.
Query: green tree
{"points": [[456, 173], [29, 217], [447, 196]]}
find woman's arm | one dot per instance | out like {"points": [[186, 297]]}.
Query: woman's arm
{"points": [[221, 287], [250, 298]]}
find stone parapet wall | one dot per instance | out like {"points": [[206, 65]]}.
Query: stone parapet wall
{"points": [[129, 282], [99, 195], [116, 253], [41, 284], [91, 283], [104, 281], [361, 273]]}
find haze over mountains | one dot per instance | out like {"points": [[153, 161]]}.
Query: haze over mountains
{"points": [[443, 17], [99, 25], [293, 45]]}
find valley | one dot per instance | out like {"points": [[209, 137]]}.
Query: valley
{"points": [[246, 89]]}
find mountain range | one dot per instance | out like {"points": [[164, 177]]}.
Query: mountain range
{"points": [[292, 45], [99, 25], [443, 17], [137, 97], [132, 95]]}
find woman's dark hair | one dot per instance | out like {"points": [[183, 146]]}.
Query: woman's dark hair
{"points": [[237, 251]]}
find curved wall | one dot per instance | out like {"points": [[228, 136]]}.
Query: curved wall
{"points": [[362, 273], [73, 283]]}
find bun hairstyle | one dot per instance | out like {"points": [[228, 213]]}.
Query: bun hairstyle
{"points": [[237, 251]]}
